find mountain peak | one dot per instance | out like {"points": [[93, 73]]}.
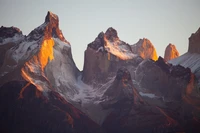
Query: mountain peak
{"points": [[111, 34], [145, 49], [171, 52], [51, 17], [194, 42], [49, 29]]}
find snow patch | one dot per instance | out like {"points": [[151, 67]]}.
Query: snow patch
{"points": [[60, 43], [16, 38], [22, 51], [99, 49], [148, 95], [120, 50], [191, 60], [85, 92]]}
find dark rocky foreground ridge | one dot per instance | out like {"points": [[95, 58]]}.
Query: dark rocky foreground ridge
{"points": [[122, 89]]}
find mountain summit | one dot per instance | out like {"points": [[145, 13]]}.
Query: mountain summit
{"points": [[107, 53], [50, 28], [171, 52], [111, 34], [50, 17], [145, 49]]}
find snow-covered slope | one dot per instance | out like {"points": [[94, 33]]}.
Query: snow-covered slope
{"points": [[190, 60]]}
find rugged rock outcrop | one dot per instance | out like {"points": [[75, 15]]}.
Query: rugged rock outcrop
{"points": [[145, 49], [8, 32], [105, 55], [130, 113], [171, 52], [164, 79], [121, 91], [194, 42]]}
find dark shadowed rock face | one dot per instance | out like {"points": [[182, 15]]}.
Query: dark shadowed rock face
{"points": [[133, 114], [98, 42], [164, 79], [145, 49], [8, 32], [122, 87], [194, 42], [123, 74], [171, 52], [121, 93], [36, 113], [111, 34]]}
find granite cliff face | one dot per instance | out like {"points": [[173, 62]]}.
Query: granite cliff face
{"points": [[145, 49], [171, 52], [194, 42], [105, 55]]}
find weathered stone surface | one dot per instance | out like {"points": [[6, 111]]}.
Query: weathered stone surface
{"points": [[194, 42], [145, 49], [171, 52]]}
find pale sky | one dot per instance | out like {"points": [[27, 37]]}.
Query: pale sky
{"points": [[161, 21]]}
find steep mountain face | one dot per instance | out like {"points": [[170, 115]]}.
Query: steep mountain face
{"points": [[145, 49], [191, 59], [164, 79], [105, 55], [121, 91], [171, 52], [42, 58], [194, 42], [135, 113]]}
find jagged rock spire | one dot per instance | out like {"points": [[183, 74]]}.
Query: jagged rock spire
{"points": [[111, 34], [145, 49], [171, 52], [52, 18]]}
